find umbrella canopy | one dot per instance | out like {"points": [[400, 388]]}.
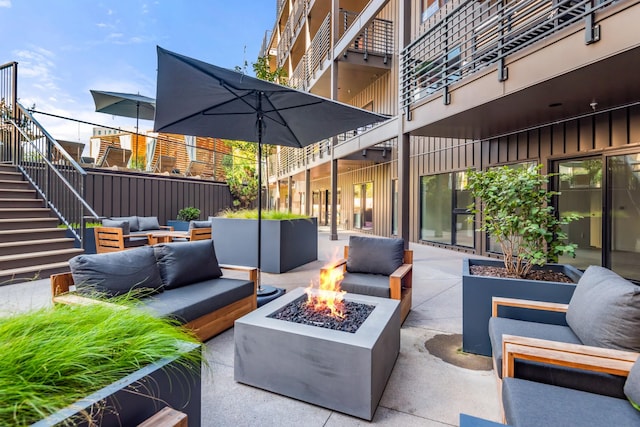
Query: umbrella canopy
{"points": [[197, 98], [124, 104]]}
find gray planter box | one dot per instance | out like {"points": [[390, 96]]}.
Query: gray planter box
{"points": [[89, 240], [477, 292], [138, 396], [178, 225], [286, 244]]}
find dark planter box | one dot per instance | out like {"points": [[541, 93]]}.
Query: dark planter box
{"points": [[138, 396], [286, 244], [477, 292], [89, 240], [178, 225]]}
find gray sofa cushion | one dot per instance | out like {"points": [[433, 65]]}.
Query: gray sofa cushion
{"points": [[604, 310], [184, 263], [132, 220], [374, 255], [532, 404], [116, 273], [375, 285], [148, 223], [117, 223], [199, 224], [632, 385], [610, 385], [190, 302]]}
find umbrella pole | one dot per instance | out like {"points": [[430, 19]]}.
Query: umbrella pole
{"points": [[135, 157]]}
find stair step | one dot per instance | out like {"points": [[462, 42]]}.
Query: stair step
{"points": [[22, 234], [8, 213], [21, 203], [23, 274], [13, 223], [37, 258], [39, 245], [11, 184], [8, 168], [17, 193], [6, 175]]}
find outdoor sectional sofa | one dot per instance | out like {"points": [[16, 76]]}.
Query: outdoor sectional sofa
{"points": [[180, 280]]}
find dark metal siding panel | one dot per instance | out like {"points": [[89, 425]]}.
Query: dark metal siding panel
{"points": [[557, 139], [634, 124], [586, 134], [619, 128], [602, 131], [534, 144], [571, 135]]}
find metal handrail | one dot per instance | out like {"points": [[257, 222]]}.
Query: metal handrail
{"points": [[54, 174], [475, 35]]}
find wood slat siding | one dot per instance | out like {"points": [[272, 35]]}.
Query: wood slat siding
{"points": [[124, 194]]}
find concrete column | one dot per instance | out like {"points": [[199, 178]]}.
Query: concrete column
{"points": [[404, 38], [334, 198], [307, 192], [334, 95]]}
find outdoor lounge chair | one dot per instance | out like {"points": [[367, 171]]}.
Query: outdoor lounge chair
{"points": [[604, 311], [199, 168], [164, 164], [113, 239], [115, 156], [529, 403], [378, 267], [74, 149]]}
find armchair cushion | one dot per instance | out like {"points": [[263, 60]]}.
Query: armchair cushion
{"points": [[114, 273], [148, 223], [199, 224], [117, 223], [184, 263], [632, 385], [132, 220], [366, 284], [374, 255], [604, 310], [529, 403]]}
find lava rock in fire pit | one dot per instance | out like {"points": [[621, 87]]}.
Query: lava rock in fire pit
{"points": [[297, 311]]}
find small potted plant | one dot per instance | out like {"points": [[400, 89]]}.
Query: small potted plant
{"points": [[185, 215], [518, 214]]}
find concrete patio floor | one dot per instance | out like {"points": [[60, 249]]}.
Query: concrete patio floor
{"points": [[423, 390]]}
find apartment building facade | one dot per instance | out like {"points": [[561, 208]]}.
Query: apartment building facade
{"points": [[467, 85]]}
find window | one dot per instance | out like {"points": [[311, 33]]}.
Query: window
{"points": [[363, 206], [444, 215], [429, 7]]}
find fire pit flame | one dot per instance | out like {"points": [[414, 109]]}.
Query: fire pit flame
{"points": [[328, 296]]}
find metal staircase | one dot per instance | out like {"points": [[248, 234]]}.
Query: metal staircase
{"points": [[31, 245]]}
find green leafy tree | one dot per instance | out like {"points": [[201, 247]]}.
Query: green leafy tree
{"points": [[517, 212]]}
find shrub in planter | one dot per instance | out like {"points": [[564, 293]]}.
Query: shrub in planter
{"points": [[55, 357], [517, 211], [185, 215]]}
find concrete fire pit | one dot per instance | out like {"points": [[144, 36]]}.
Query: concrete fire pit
{"points": [[343, 371]]}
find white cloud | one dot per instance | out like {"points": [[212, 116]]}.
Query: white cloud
{"points": [[5, 3]]}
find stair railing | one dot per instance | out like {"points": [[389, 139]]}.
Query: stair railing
{"points": [[55, 175]]}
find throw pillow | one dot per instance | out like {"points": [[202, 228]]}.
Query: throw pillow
{"points": [[148, 223], [120, 224], [604, 310], [199, 224], [132, 220], [116, 273], [374, 255], [184, 263], [632, 385]]}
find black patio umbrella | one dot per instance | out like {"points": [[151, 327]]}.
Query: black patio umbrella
{"points": [[197, 98], [125, 105]]}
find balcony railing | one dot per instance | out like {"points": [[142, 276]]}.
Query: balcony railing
{"points": [[320, 46], [375, 38], [476, 35], [291, 29]]}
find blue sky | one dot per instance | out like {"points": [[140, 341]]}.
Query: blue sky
{"points": [[64, 48]]}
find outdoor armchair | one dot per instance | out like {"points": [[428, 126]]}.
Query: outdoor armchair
{"points": [[604, 311], [532, 403], [115, 156], [377, 267]]}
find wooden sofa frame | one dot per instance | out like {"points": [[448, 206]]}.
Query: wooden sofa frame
{"points": [[204, 327], [397, 291], [111, 239]]}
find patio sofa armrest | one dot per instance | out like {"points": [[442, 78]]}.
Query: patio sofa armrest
{"points": [[75, 299], [596, 359], [167, 227], [397, 278], [528, 304], [253, 272], [61, 284]]}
